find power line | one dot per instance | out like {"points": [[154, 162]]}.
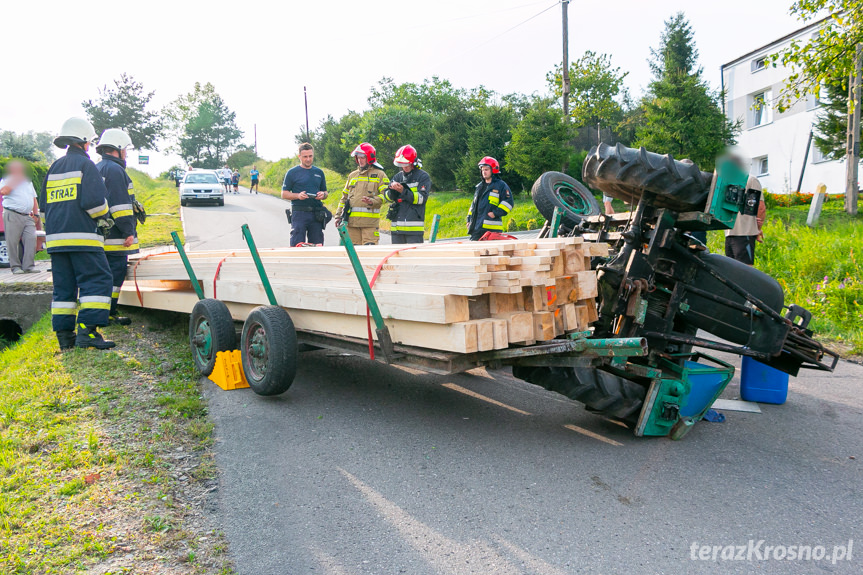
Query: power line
{"points": [[481, 14]]}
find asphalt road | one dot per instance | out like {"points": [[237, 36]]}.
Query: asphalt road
{"points": [[365, 468], [211, 227]]}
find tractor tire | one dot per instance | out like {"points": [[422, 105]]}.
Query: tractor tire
{"points": [[211, 330], [625, 173], [573, 200], [599, 391], [269, 350]]}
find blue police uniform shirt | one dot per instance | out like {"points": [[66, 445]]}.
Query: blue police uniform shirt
{"points": [[311, 180]]}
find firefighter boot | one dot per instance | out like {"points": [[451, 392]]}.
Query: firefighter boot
{"points": [[89, 336], [66, 339]]}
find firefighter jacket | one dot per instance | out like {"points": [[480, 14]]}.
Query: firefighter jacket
{"points": [[495, 198], [73, 195], [411, 212], [120, 197], [369, 182]]}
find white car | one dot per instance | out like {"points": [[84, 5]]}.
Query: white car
{"points": [[201, 186]]}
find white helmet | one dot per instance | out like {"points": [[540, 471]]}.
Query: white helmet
{"points": [[114, 138], [75, 131]]}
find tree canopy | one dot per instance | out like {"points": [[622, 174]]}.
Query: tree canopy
{"points": [[206, 128], [125, 106], [31, 146]]}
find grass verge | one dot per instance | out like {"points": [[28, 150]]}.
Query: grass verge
{"points": [[161, 200], [105, 457]]}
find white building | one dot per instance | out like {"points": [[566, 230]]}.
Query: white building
{"points": [[776, 142]]}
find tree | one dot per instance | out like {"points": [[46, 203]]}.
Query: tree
{"points": [[681, 115], [207, 128], [125, 107], [538, 141], [31, 146], [831, 124], [595, 87], [826, 58], [488, 135], [244, 156]]}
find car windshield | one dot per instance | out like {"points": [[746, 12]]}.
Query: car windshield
{"points": [[201, 179]]}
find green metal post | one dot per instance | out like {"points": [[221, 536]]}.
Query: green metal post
{"points": [[555, 222], [434, 227], [382, 330], [247, 234], [195, 283]]}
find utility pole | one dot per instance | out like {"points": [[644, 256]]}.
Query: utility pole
{"points": [[564, 5], [306, 98], [256, 140], [852, 146]]}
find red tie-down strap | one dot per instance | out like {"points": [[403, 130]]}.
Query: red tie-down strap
{"points": [[219, 270], [371, 285], [135, 273]]}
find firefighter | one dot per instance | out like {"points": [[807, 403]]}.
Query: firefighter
{"points": [[363, 197], [74, 200], [492, 200], [408, 190], [122, 239]]}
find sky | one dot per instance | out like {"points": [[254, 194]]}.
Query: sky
{"points": [[260, 54]]}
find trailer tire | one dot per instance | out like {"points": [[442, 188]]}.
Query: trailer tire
{"points": [[269, 350], [211, 330], [557, 190], [599, 391]]}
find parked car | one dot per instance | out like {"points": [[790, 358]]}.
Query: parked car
{"points": [[201, 186]]}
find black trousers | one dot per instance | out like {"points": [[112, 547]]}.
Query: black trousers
{"points": [[118, 264], [305, 225], [82, 288], [741, 248], [407, 237]]}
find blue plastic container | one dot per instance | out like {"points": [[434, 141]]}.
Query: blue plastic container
{"points": [[762, 383], [706, 383]]}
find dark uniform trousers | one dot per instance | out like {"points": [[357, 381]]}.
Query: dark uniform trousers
{"points": [[117, 262], [303, 225], [82, 287], [407, 237]]}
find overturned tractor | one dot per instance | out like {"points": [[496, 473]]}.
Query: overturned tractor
{"points": [[661, 283]]}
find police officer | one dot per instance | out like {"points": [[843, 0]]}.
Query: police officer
{"points": [[73, 199], [408, 190], [492, 200], [363, 197], [122, 239], [305, 185]]}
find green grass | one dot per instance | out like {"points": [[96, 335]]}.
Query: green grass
{"points": [[161, 200]]}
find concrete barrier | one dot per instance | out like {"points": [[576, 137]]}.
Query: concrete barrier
{"points": [[21, 307]]}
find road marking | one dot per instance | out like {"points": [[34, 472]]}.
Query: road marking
{"points": [[466, 391], [616, 422], [588, 433]]}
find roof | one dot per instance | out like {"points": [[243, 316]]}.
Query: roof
{"points": [[797, 32]]}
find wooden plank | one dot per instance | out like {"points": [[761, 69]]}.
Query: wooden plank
{"points": [[501, 333], [543, 326], [592, 314], [585, 285], [519, 325], [573, 262], [570, 317], [484, 334], [597, 249], [582, 316], [504, 303], [478, 307], [534, 299]]}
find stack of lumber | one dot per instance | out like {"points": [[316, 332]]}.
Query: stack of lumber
{"points": [[460, 297]]}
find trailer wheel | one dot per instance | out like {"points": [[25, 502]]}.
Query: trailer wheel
{"points": [[599, 391], [211, 330], [269, 350], [557, 190]]}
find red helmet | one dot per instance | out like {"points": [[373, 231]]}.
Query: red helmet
{"points": [[491, 163], [406, 156], [367, 149]]}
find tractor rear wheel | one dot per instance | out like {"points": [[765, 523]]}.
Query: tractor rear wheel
{"points": [[599, 391]]}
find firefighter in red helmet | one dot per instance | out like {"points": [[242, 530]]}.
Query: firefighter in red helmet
{"points": [[408, 191], [492, 200], [363, 197]]}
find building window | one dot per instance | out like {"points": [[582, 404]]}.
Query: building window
{"points": [[762, 112], [759, 64], [760, 166]]}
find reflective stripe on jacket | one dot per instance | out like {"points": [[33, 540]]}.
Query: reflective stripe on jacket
{"points": [[411, 200], [494, 198], [369, 182], [72, 196], [120, 198]]}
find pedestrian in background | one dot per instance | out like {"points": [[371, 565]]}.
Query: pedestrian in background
{"points": [[606, 203], [254, 174], [20, 213], [225, 174], [492, 200], [235, 181], [305, 185], [741, 239]]}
